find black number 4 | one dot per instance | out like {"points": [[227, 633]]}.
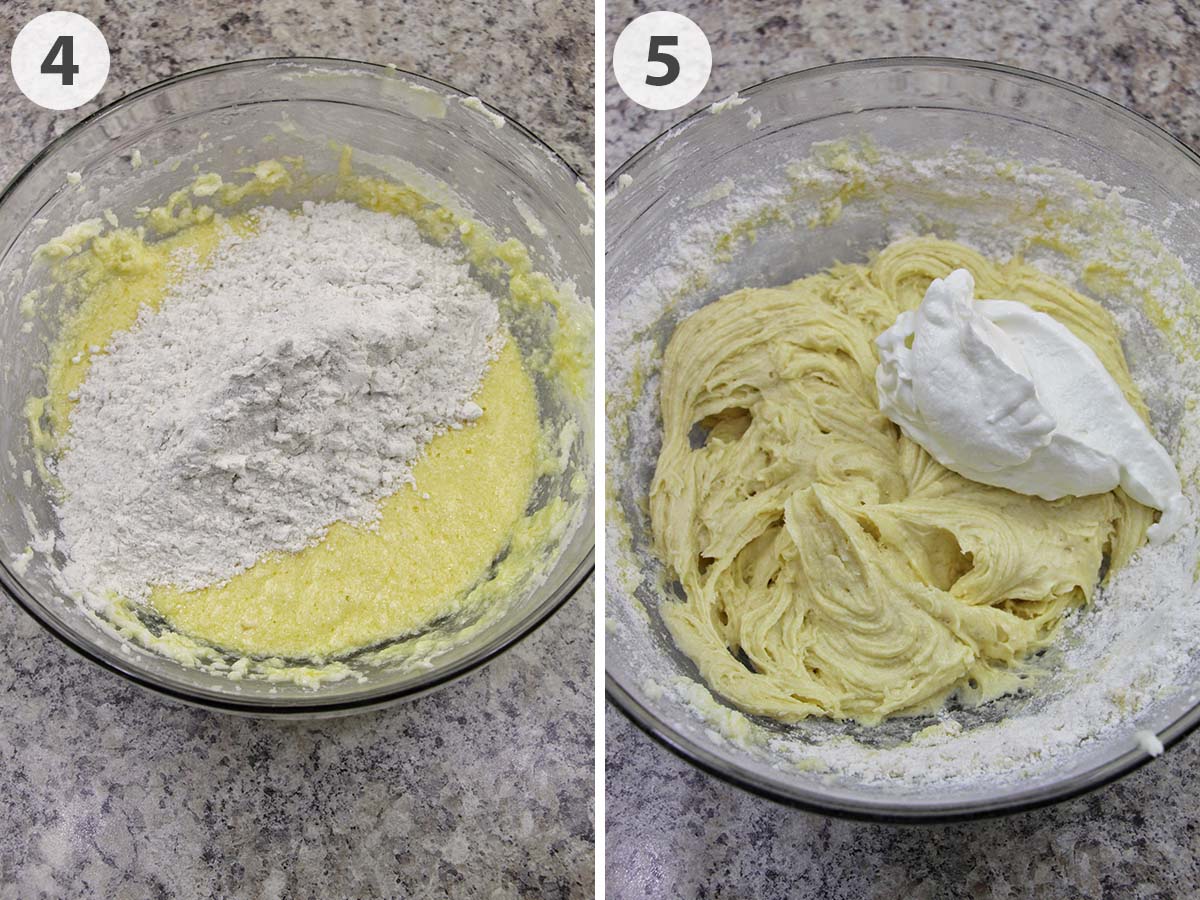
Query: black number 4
{"points": [[657, 56], [64, 45]]}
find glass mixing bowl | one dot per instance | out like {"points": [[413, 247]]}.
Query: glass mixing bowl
{"points": [[733, 197], [137, 151]]}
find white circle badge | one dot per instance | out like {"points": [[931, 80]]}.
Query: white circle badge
{"points": [[662, 60], [60, 60]]}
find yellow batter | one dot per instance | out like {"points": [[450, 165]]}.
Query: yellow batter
{"points": [[360, 586], [831, 566]]}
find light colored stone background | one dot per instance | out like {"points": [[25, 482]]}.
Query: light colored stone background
{"points": [[1145, 55], [483, 790], [675, 832]]}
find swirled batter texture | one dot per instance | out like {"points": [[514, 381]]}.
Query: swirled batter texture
{"points": [[832, 567]]}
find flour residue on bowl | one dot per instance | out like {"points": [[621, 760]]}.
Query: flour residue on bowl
{"points": [[1117, 657], [281, 438]]}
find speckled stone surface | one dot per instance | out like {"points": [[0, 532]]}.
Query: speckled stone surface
{"points": [[483, 790], [1145, 55], [673, 831], [532, 59]]}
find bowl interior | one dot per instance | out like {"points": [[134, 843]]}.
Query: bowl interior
{"points": [[832, 165], [453, 150]]}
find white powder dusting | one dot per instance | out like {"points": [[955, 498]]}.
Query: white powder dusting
{"points": [[529, 217], [1149, 742], [291, 383]]}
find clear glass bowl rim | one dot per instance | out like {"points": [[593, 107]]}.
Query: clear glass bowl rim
{"points": [[884, 811], [503, 642]]}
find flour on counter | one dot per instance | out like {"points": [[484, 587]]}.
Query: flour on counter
{"points": [[290, 383]]}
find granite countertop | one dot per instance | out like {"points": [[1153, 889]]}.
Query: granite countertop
{"points": [[483, 789], [675, 832], [1144, 55]]}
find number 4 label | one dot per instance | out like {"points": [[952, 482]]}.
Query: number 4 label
{"points": [[64, 47], [60, 60], [662, 60]]}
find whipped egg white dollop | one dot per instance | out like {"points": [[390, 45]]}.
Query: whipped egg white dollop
{"points": [[1008, 396]]}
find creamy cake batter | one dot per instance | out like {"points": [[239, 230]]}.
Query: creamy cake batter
{"points": [[831, 566]]}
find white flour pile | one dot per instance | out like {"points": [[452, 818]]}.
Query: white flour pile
{"points": [[290, 384]]}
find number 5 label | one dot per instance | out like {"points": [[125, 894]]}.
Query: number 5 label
{"points": [[662, 60], [60, 60]]}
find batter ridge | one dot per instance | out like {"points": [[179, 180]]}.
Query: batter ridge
{"points": [[829, 565]]}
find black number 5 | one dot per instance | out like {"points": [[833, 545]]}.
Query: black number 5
{"points": [[656, 55], [64, 45]]}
